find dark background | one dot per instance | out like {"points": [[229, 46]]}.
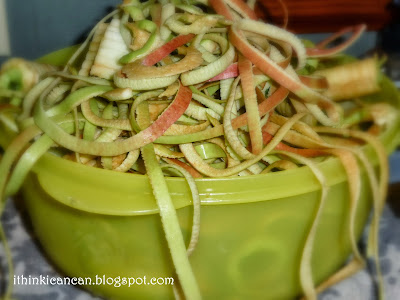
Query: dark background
{"points": [[37, 27]]}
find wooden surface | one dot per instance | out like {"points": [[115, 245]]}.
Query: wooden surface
{"points": [[310, 16]]}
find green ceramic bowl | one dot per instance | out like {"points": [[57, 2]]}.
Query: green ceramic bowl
{"points": [[98, 222]]}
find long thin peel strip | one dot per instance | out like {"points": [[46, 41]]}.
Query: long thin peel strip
{"points": [[32, 96], [83, 46], [6, 163], [306, 277], [123, 124], [194, 239], [204, 73], [26, 162], [379, 191], [266, 105], [12, 153], [271, 69], [321, 51], [195, 160], [351, 167], [242, 8], [76, 98], [150, 134], [352, 170], [230, 134], [170, 223], [111, 49], [250, 101]]}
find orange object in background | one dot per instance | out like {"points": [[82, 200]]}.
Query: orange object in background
{"points": [[311, 16]]}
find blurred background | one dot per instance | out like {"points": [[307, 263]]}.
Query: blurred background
{"points": [[32, 28]]}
